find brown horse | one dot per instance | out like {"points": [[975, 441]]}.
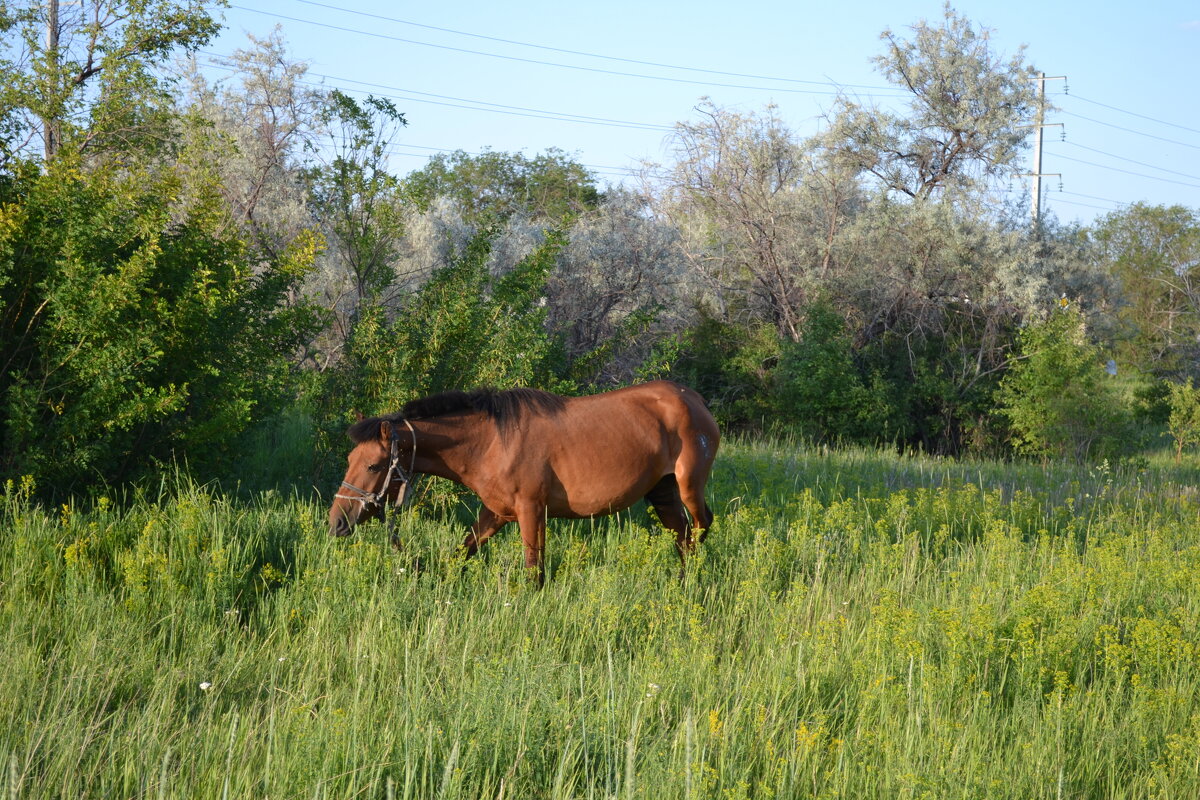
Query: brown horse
{"points": [[530, 455]]}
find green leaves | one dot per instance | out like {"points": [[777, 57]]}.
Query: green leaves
{"points": [[1057, 397], [1184, 422], [131, 327], [98, 89], [492, 187], [465, 327]]}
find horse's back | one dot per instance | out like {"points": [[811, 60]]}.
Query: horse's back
{"points": [[604, 452], [658, 410]]}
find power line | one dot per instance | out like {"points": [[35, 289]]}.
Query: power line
{"points": [[1081, 205], [1093, 197], [591, 55], [537, 61], [496, 108], [556, 114], [1131, 130], [1128, 172], [1135, 114], [598, 168], [1131, 161]]}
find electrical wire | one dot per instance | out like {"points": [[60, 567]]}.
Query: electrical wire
{"points": [[1131, 130], [1128, 172], [1135, 114], [1075, 203], [1093, 197], [593, 55], [402, 40], [495, 108], [412, 95], [1132, 161]]}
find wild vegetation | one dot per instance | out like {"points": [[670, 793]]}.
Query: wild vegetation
{"points": [[202, 281], [857, 625]]}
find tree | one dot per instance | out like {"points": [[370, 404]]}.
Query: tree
{"points": [[258, 126], [1184, 421], [969, 112], [135, 324], [1057, 398], [353, 195], [95, 85], [464, 328], [133, 327], [1154, 253], [616, 284], [492, 187], [760, 213]]}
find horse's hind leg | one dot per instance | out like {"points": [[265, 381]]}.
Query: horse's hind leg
{"points": [[669, 507], [692, 471]]}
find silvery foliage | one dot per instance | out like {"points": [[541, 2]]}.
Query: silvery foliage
{"points": [[620, 261], [262, 118], [758, 212], [967, 119], [434, 237]]}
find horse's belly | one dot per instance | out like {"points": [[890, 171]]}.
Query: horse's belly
{"points": [[580, 505]]}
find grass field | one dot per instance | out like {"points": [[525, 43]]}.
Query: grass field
{"points": [[858, 625]]}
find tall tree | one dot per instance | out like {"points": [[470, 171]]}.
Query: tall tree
{"points": [[491, 187], [134, 321], [260, 125], [86, 75], [759, 210], [1154, 252], [969, 109], [356, 201], [616, 284]]}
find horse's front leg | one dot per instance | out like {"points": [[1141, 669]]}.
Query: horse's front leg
{"points": [[487, 524], [532, 520]]}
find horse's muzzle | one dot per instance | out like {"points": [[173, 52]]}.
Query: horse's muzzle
{"points": [[339, 526]]}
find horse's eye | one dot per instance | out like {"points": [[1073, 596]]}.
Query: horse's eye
{"points": [[375, 468]]}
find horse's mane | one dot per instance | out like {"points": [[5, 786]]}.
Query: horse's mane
{"points": [[504, 407]]}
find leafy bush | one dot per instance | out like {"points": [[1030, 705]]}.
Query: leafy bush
{"points": [[1058, 399], [1184, 421], [462, 329], [731, 366], [133, 326], [819, 390]]}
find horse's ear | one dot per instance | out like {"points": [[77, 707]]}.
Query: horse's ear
{"points": [[358, 416], [385, 431]]}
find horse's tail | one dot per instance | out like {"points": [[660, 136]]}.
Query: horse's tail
{"points": [[708, 524]]}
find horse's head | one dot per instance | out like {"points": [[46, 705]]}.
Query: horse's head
{"points": [[374, 475]]}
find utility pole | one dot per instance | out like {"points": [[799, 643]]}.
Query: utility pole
{"points": [[49, 124], [1039, 126]]}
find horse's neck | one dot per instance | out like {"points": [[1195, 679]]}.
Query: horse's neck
{"points": [[451, 447]]}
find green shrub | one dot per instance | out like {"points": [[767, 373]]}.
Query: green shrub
{"points": [[1057, 398], [464, 328], [1184, 421], [134, 325], [818, 388], [732, 367]]}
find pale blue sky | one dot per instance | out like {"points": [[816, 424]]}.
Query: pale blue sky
{"points": [[1121, 58]]}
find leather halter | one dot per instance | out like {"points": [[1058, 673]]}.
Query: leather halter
{"points": [[395, 471]]}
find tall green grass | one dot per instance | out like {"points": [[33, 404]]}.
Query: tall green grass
{"points": [[858, 624]]}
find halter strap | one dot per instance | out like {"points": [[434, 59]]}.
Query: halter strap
{"points": [[369, 499]]}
